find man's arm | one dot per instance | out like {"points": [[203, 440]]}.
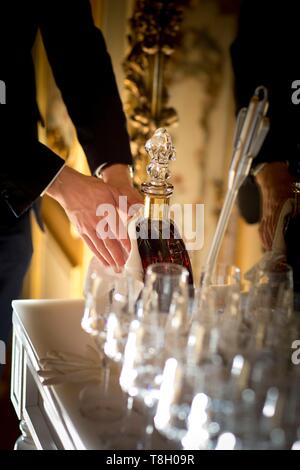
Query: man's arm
{"points": [[82, 69], [22, 182], [27, 166], [263, 53], [83, 72]]}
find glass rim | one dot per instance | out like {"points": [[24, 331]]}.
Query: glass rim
{"points": [[167, 270], [222, 265], [229, 270], [277, 270]]}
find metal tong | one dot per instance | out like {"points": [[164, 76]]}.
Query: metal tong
{"points": [[251, 129]]}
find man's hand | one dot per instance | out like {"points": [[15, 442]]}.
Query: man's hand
{"points": [[81, 195], [118, 177], [276, 187]]}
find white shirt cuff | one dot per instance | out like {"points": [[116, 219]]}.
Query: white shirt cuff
{"points": [[53, 179]]}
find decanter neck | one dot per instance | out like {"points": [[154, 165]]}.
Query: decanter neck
{"points": [[156, 208]]}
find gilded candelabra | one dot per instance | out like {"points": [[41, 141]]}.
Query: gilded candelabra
{"points": [[155, 33]]}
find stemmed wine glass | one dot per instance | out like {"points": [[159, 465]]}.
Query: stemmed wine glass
{"points": [[143, 362], [122, 314], [269, 305], [162, 282], [198, 373], [217, 307], [165, 300], [96, 400]]}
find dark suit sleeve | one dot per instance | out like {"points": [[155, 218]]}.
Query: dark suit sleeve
{"points": [[83, 72], [22, 183], [264, 53], [27, 166]]}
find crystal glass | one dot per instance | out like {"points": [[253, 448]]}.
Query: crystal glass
{"points": [[166, 298], [199, 371], [269, 305], [174, 399], [217, 306], [142, 366], [96, 401], [122, 313], [98, 289], [206, 371], [143, 360], [221, 294], [164, 282], [291, 413]]}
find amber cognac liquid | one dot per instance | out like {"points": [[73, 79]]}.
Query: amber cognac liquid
{"points": [[158, 239]]}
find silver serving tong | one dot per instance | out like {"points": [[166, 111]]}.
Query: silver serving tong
{"points": [[251, 129]]}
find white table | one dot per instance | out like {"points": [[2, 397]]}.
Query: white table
{"points": [[50, 416]]}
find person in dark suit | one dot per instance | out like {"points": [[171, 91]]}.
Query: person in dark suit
{"points": [[83, 72], [265, 52]]}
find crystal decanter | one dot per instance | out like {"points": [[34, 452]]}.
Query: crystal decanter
{"points": [[158, 239]]}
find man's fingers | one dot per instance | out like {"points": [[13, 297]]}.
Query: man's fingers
{"points": [[114, 244], [99, 244], [125, 242], [94, 250], [100, 247], [122, 233], [102, 253], [135, 198], [119, 229], [269, 223], [114, 247]]}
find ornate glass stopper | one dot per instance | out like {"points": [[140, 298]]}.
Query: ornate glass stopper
{"points": [[160, 150]]}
